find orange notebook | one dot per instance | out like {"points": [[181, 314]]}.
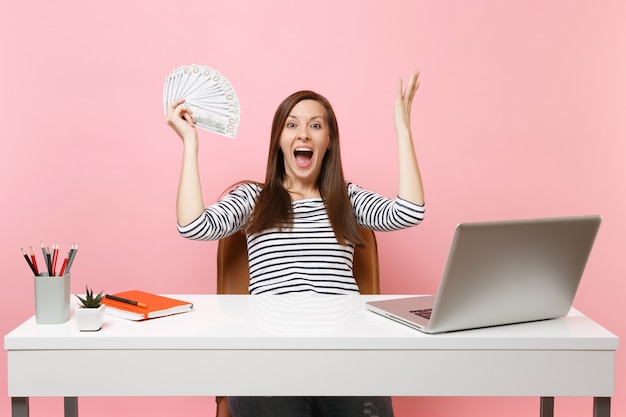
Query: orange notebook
{"points": [[155, 305]]}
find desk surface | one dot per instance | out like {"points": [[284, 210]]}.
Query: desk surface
{"points": [[294, 344], [301, 322]]}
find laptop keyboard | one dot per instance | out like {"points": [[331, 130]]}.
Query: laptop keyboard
{"points": [[425, 312]]}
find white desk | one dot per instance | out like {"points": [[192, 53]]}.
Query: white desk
{"points": [[286, 345]]}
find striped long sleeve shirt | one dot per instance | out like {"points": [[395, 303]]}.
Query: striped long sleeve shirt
{"points": [[306, 257]]}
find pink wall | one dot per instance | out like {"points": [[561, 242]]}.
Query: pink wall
{"points": [[520, 114]]}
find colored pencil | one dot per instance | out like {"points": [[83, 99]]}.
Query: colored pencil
{"points": [[55, 255], [45, 257], [73, 251], [30, 263], [67, 257], [32, 258]]}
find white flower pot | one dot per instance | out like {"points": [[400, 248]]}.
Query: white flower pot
{"points": [[89, 319]]}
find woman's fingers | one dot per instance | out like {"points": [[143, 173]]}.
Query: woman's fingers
{"points": [[177, 110]]}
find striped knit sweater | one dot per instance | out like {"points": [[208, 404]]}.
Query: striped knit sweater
{"points": [[307, 257]]}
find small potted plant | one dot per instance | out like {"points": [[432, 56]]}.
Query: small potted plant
{"points": [[90, 313]]}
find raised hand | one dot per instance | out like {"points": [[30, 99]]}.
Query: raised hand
{"points": [[180, 119], [404, 99]]}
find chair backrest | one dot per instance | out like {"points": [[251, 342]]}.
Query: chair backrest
{"points": [[233, 273]]}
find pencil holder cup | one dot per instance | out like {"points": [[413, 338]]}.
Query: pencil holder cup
{"points": [[52, 299]]}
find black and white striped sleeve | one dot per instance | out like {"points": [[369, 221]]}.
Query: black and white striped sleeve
{"points": [[379, 213], [225, 217]]}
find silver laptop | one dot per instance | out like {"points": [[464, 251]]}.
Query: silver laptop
{"points": [[502, 272]]}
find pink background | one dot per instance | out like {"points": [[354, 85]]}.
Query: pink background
{"points": [[520, 114]]}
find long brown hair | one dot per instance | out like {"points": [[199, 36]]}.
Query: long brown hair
{"points": [[274, 206]]}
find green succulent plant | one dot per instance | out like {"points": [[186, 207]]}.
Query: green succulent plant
{"points": [[89, 301]]}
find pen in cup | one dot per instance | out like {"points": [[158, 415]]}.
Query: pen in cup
{"points": [[50, 256], [45, 257], [64, 266], [71, 256], [34, 260], [55, 255], [49, 261], [30, 262]]}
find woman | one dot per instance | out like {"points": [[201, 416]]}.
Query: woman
{"points": [[301, 223]]}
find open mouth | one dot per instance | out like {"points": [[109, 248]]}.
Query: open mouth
{"points": [[303, 156]]}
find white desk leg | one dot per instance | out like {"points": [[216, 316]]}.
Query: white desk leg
{"points": [[70, 404], [601, 406], [19, 406], [547, 407]]}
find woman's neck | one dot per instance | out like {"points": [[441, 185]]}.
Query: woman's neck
{"points": [[300, 191]]}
